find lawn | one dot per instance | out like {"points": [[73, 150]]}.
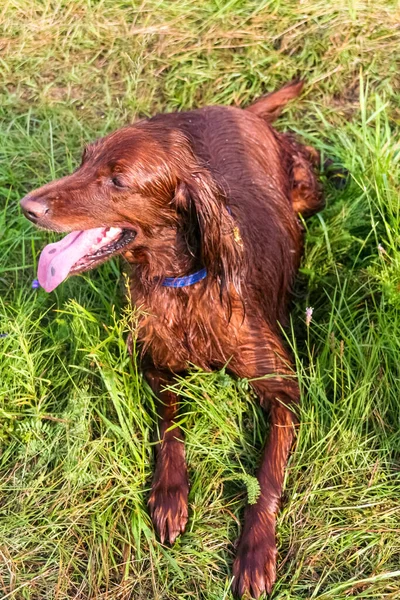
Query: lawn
{"points": [[76, 417]]}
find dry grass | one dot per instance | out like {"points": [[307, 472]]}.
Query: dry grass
{"points": [[76, 419]]}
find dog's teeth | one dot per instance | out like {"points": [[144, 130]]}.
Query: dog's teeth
{"points": [[113, 231]]}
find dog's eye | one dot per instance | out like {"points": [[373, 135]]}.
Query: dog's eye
{"points": [[117, 182]]}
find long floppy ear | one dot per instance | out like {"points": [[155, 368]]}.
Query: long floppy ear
{"points": [[204, 212]]}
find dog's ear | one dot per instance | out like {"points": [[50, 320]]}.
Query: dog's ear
{"points": [[210, 228]]}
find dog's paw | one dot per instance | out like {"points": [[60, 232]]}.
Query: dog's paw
{"points": [[254, 569], [168, 505]]}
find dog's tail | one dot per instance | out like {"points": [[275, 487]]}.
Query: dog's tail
{"points": [[270, 106]]}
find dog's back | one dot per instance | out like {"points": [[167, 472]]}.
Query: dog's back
{"points": [[267, 179]]}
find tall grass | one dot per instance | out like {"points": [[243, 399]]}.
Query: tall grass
{"points": [[76, 417]]}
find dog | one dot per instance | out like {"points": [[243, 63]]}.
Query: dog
{"points": [[204, 205]]}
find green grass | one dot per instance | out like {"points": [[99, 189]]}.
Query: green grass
{"points": [[76, 418]]}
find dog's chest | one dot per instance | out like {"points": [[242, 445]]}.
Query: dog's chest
{"points": [[177, 330]]}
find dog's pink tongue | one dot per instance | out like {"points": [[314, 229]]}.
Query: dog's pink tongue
{"points": [[56, 260]]}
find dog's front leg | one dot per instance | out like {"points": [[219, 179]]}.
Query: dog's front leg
{"points": [[168, 500], [255, 565]]}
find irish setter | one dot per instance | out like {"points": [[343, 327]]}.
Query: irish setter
{"points": [[204, 207]]}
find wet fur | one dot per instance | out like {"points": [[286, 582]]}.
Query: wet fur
{"points": [[215, 187]]}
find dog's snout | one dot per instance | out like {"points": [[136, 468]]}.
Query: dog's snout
{"points": [[34, 208]]}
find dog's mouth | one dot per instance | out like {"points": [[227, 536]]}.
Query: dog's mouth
{"points": [[80, 251]]}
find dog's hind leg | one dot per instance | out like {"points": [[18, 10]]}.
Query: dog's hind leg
{"points": [[306, 193], [168, 500]]}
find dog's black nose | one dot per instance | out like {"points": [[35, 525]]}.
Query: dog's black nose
{"points": [[34, 208]]}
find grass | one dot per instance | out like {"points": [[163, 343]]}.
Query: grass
{"points": [[76, 418]]}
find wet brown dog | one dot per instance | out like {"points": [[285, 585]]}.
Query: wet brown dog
{"points": [[204, 206]]}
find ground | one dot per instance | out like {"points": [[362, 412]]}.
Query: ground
{"points": [[76, 418]]}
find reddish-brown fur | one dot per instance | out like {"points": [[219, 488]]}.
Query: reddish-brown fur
{"points": [[215, 187]]}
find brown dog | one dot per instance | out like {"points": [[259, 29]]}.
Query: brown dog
{"points": [[203, 205]]}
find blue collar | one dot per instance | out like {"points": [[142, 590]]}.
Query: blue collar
{"points": [[177, 282]]}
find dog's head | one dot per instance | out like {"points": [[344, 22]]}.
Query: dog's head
{"points": [[141, 190]]}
